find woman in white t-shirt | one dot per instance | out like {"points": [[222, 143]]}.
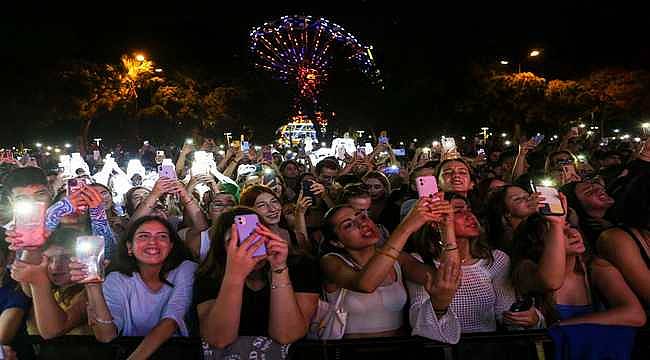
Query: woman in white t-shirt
{"points": [[149, 291]]}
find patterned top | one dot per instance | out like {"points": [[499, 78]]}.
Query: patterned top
{"points": [[484, 294]]}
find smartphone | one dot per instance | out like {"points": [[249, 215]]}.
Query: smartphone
{"points": [[189, 141], [145, 143], [523, 304], [537, 139], [383, 140], [427, 186], [245, 146], [399, 152], [96, 155], [391, 170], [74, 185], [552, 204], [29, 220], [448, 144], [480, 153], [361, 152], [89, 250], [167, 170], [306, 189], [246, 224], [267, 155]]}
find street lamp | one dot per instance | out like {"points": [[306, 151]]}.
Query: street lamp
{"points": [[67, 146], [535, 53], [504, 62], [158, 70]]}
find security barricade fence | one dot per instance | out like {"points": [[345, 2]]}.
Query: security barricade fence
{"points": [[534, 344]]}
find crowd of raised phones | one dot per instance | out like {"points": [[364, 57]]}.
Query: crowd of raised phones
{"points": [[261, 251]]}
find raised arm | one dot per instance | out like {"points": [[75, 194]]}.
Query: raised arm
{"points": [[624, 307], [219, 318], [290, 311], [337, 272], [51, 319], [617, 247]]}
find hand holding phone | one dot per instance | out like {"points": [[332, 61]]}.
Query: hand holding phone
{"points": [[523, 304], [306, 189], [552, 204], [29, 220], [246, 225], [89, 251]]}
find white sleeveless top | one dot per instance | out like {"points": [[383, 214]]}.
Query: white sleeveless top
{"points": [[379, 311]]}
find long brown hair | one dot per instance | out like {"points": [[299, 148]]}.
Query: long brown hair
{"points": [[214, 265]]}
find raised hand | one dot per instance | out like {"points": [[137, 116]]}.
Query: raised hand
{"points": [[442, 285], [30, 273], [276, 247], [240, 260], [303, 203]]}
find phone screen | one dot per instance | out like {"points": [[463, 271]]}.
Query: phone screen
{"points": [[552, 204]]}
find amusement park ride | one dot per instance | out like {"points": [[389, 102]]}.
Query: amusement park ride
{"points": [[299, 51]]}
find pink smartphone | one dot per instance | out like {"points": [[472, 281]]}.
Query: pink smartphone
{"points": [[29, 218], [246, 224], [427, 186], [167, 171]]}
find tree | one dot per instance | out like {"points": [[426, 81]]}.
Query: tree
{"points": [[134, 90], [618, 92], [514, 100]]}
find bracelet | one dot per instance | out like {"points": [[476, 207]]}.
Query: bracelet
{"points": [[104, 322], [280, 285], [280, 270], [450, 249], [392, 247], [382, 252]]}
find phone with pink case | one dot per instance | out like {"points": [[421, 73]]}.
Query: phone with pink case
{"points": [[29, 220], [167, 171], [246, 224], [427, 186]]}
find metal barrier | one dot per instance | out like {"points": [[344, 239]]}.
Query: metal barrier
{"points": [[520, 345]]}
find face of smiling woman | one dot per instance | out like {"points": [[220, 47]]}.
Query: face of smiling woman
{"points": [[151, 243]]}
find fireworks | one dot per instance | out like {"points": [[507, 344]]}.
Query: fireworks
{"points": [[300, 49]]}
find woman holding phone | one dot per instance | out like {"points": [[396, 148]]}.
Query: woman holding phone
{"points": [[149, 290], [241, 295], [476, 294], [551, 263]]}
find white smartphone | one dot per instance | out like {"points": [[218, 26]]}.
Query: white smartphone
{"points": [[552, 204]]}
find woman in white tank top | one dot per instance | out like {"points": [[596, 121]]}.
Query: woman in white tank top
{"points": [[375, 296]]}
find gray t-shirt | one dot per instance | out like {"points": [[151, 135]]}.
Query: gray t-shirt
{"points": [[136, 309]]}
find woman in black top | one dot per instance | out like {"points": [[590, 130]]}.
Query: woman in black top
{"points": [[273, 296]]}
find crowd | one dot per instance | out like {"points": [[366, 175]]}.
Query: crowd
{"points": [[254, 248]]}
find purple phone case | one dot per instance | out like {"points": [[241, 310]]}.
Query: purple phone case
{"points": [[246, 224]]}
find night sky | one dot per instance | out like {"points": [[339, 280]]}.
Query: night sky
{"points": [[425, 55]]}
